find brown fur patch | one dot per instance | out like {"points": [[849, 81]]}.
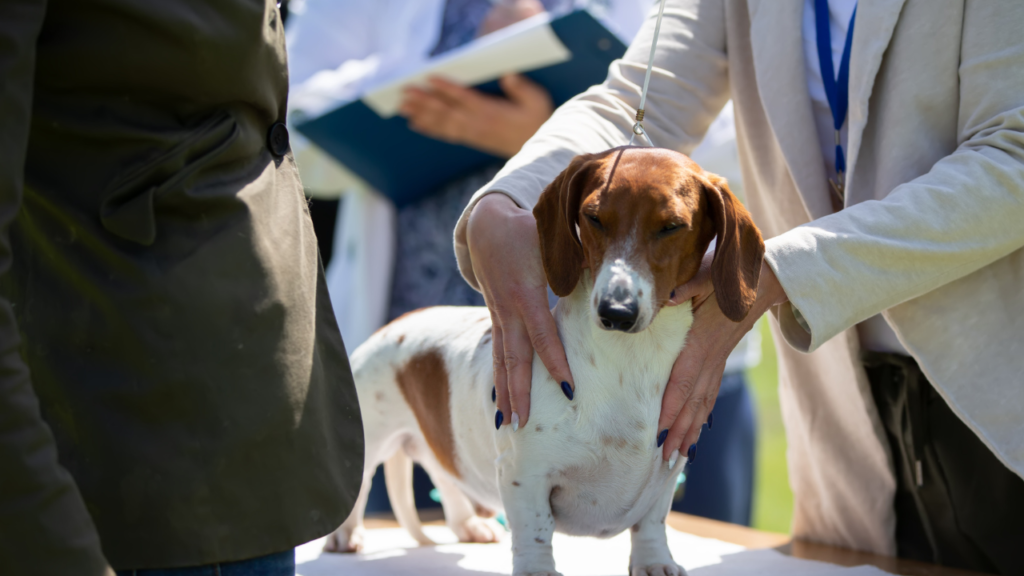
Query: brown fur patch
{"points": [[424, 383], [613, 441], [401, 338], [389, 324], [663, 204]]}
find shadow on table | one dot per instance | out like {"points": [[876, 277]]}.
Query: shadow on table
{"points": [[422, 561], [430, 561]]}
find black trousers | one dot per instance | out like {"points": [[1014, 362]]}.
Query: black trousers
{"points": [[956, 504]]}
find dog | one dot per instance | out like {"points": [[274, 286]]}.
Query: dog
{"points": [[619, 231]]}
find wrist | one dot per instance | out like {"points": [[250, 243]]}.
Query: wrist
{"points": [[493, 213], [494, 203], [770, 290]]}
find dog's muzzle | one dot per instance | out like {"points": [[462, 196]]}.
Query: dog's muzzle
{"points": [[618, 310]]}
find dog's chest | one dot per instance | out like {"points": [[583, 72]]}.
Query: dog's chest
{"points": [[599, 451]]}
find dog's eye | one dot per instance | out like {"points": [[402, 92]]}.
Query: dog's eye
{"points": [[595, 221], [668, 230]]}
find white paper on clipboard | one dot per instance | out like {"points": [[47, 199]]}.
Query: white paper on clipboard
{"points": [[521, 47]]}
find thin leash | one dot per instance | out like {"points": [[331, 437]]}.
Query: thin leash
{"points": [[638, 127]]}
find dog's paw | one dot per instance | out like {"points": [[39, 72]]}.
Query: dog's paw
{"points": [[477, 529], [345, 540], [658, 570]]}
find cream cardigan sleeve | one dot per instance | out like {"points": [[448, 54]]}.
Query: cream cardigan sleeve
{"points": [[688, 88], [965, 213]]}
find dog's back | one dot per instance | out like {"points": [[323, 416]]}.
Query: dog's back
{"points": [[424, 385]]}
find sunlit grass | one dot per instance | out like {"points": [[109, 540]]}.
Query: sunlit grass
{"points": [[773, 500]]}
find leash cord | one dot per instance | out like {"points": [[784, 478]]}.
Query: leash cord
{"points": [[638, 127]]}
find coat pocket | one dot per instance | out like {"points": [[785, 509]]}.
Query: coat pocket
{"points": [[128, 210]]}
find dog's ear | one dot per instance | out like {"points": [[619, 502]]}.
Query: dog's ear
{"points": [[739, 250], [557, 214]]}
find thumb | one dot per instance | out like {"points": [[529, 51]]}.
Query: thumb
{"points": [[697, 288]]}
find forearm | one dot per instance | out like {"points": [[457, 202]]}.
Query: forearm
{"points": [[688, 88], [963, 215]]}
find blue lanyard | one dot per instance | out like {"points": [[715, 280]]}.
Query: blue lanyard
{"points": [[837, 90]]}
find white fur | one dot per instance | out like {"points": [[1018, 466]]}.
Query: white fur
{"points": [[589, 466]]}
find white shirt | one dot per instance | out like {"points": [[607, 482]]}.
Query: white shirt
{"points": [[875, 333]]}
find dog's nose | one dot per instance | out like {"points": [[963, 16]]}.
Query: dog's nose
{"points": [[618, 314]]}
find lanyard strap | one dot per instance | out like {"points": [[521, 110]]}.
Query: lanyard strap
{"points": [[837, 90], [638, 128]]}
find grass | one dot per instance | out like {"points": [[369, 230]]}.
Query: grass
{"points": [[773, 500]]}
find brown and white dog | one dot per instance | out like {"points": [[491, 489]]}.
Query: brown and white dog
{"points": [[618, 232]]}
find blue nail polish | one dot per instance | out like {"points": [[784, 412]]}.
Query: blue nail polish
{"points": [[498, 419], [567, 390], [711, 419], [494, 394], [672, 295], [662, 436], [691, 454]]}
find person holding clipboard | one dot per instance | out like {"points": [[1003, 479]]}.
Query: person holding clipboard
{"points": [[882, 157]]}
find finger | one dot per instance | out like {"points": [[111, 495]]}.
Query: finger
{"points": [[437, 120], [503, 405], [682, 385], [453, 94], [701, 417], [540, 325], [525, 92], [425, 108], [703, 405], [698, 287], [690, 413], [412, 100], [518, 366]]}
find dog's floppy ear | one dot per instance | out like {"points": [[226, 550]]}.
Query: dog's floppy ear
{"points": [[739, 250], [557, 214]]}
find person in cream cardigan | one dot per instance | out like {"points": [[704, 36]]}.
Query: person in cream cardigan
{"points": [[899, 302]]}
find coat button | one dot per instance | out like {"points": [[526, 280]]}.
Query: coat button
{"points": [[277, 139]]}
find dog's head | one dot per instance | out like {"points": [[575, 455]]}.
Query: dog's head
{"points": [[641, 219]]}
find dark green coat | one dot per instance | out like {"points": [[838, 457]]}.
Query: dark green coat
{"points": [[165, 331]]}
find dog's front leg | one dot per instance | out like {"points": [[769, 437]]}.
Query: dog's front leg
{"points": [[650, 555], [528, 511]]}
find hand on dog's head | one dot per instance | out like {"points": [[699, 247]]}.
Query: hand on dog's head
{"points": [[645, 216]]}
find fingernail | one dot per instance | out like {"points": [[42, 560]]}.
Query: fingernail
{"points": [[691, 454], [515, 421], [672, 459], [498, 419], [567, 390], [662, 436], [494, 395], [711, 420], [672, 295]]}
